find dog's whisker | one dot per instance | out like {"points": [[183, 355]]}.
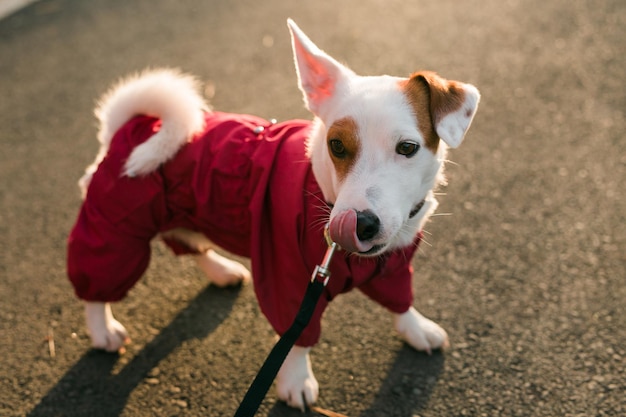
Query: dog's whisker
{"points": [[447, 161], [426, 242], [323, 202]]}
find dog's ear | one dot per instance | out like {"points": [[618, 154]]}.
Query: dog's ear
{"points": [[319, 75], [452, 105]]}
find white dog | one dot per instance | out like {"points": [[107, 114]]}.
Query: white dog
{"points": [[367, 165]]}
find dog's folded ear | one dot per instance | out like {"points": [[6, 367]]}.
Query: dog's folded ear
{"points": [[319, 75], [453, 105]]}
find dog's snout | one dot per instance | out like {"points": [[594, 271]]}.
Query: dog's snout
{"points": [[367, 225]]}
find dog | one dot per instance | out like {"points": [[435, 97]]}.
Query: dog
{"points": [[365, 168]]}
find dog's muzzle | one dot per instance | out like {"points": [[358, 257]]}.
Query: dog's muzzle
{"points": [[354, 230]]}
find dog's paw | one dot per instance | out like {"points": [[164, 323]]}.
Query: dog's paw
{"points": [[419, 332], [222, 271], [106, 332], [295, 383], [111, 338]]}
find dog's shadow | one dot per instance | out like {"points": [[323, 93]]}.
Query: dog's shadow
{"points": [[90, 388], [405, 391], [409, 384]]}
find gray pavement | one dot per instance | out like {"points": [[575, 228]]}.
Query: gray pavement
{"points": [[527, 272]]}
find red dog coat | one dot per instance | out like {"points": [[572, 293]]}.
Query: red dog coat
{"points": [[251, 191]]}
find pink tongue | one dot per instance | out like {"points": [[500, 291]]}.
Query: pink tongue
{"points": [[343, 232]]}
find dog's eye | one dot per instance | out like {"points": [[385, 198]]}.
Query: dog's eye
{"points": [[407, 149], [337, 148]]}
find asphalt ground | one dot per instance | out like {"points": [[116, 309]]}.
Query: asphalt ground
{"points": [[525, 266]]}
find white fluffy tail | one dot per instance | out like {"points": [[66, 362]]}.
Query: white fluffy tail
{"points": [[167, 94]]}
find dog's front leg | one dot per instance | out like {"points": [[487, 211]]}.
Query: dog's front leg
{"points": [[419, 332], [295, 382], [106, 332]]}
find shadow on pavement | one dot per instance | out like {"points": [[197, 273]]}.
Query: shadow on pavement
{"points": [[409, 384], [406, 390], [88, 388]]}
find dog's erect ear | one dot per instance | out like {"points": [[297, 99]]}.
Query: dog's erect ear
{"points": [[452, 106], [318, 73]]}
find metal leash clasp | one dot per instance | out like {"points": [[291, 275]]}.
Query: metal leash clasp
{"points": [[322, 272]]}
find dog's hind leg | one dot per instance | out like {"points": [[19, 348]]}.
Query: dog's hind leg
{"points": [[220, 270], [106, 332]]}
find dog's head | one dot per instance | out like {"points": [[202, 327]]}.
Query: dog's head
{"points": [[378, 145]]}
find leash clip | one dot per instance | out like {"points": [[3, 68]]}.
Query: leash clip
{"points": [[321, 272]]}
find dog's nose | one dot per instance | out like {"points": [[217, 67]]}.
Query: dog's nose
{"points": [[367, 225]]}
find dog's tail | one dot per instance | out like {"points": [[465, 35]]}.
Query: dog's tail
{"points": [[167, 94]]}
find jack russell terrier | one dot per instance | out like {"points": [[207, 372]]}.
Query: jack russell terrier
{"points": [[366, 166]]}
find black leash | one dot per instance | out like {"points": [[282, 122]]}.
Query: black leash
{"points": [[263, 380]]}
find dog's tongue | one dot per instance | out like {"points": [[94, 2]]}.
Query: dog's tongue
{"points": [[343, 232]]}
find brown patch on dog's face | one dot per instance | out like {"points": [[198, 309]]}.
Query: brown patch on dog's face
{"points": [[343, 145], [419, 97], [432, 97]]}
